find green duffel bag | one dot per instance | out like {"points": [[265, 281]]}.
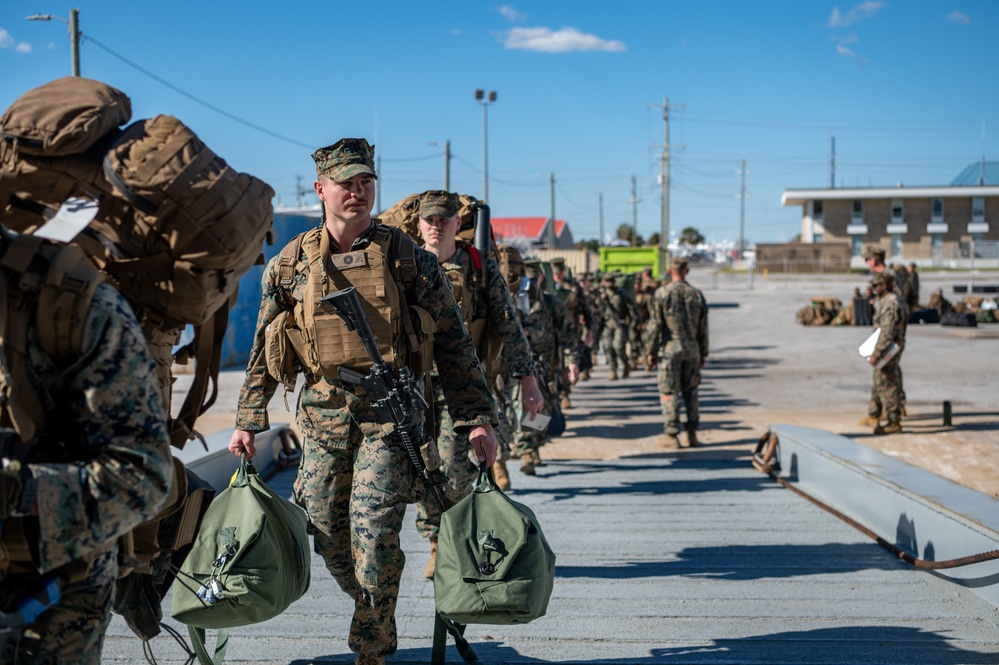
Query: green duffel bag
{"points": [[494, 565], [250, 561]]}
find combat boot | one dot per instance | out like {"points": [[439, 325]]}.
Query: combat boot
{"points": [[670, 440], [500, 475], [868, 421], [890, 428], [566, 404], [431, 568], [613, 375], [627, 370], [536, 457], [527, 464], [692, 441], [584, 375]]}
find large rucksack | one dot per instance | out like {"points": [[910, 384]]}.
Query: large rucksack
{"points": [[175, 227]]}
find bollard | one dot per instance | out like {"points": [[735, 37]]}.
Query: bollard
{"points": [[947, 414]]}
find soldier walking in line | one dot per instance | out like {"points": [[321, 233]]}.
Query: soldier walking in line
{"points": [[891, 317], [356, 477], [86, 451], [913, 301], [617, 317], [551, 336], [490, 316], [677, 341]]}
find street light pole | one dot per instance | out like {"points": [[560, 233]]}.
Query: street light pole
{"points": [[485, 98], [74, 34]]}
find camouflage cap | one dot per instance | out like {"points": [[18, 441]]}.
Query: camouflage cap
{"points": [[345, 159], [608, 278], [883, 278], [440, 203], [873, 252], [532, 267], [558, 262], [678, 263]]}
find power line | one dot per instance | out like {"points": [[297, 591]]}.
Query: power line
{"points": [[197, 99]]}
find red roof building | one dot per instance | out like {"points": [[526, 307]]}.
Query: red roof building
{"points": [[534, 229]]}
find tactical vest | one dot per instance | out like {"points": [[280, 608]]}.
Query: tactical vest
{"points": [[47, 288], [382, 274], [470, 286]]}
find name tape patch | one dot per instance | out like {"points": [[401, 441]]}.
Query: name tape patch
{"points": [[350, 260]]}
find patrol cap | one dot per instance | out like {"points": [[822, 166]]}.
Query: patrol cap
{"points": [[558, 262], [345, 159], [438, 202], [607, 278], [873, 252], [532, 267], [678, 263], [883, 278]]}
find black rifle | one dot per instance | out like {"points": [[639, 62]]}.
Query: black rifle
{"points": [[396, 395]]}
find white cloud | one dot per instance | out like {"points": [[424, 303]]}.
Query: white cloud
{"points": [[6, 41], [565, 40], [23, 47], [510, 13], [861, 11], [850, 53], [958, 17]]}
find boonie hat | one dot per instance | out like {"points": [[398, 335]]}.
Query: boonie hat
{"points": [[440, 203], [345, 159]]}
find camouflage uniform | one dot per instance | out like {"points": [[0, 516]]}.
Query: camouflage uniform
{"points": [[678, 336], [355, 479], [497, 306], [890, 314], [108, 408], [548, 327], [617, 316]]}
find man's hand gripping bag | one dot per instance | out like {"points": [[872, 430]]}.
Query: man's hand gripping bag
{"points": [[494, 565]]}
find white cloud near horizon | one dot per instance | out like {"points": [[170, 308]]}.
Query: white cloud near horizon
{"points": [[566, 40], [510, 13], [861, 11], [958, 17], [7, 41]]}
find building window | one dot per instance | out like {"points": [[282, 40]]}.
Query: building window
{"points": [[937, 211], [936, 245], [896, 245], [818, 236], [817, 210], [978, 209], [856, 245], [897, 211], [857, 212]]}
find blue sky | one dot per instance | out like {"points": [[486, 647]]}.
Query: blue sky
{"points": [[904, 87]]}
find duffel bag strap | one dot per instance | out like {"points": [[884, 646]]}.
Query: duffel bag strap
{"points": [[197, 636]]}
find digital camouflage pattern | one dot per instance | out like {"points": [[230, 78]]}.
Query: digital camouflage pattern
{"points": [[355, 480], [345, 159], [678, 336], [548, 328], [439, 202], [891, 315], [111, 405], [496, 304], [617, 317]]}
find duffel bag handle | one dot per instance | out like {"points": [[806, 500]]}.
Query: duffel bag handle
{"points": [[242, 476], [485, 481]]}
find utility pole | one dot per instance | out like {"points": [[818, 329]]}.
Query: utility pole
{"points": [[74, 35], [832, 162], [485, 99], [600, 212], [742, 208], [551, 226], [634, 211], [447, 165], [299, 192], [664, 230]]}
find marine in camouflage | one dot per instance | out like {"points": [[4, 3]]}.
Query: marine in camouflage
{"points": [[496, 305], [617, 317], [355, 479], [120, 477], [678, 337], [887, 396]]}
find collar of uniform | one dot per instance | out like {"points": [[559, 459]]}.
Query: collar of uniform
{"points": [[458, 260], [360, 242]]}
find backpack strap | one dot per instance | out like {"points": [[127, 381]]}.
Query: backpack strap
{"points": [[63, 303], [208, 343], [403, 267], [287, 260]]}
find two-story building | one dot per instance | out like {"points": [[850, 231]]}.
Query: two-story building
{"points": [[941, 225]]}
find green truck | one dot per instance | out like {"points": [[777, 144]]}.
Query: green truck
{"points": [[633, 259]]}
